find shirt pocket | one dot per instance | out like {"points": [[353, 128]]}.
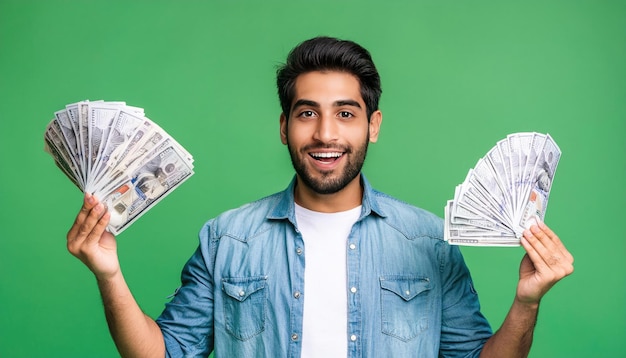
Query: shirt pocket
{"points": [[245, 301], [406, 303]]}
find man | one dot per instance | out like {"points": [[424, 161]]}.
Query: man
{"points": [[329, 267]]}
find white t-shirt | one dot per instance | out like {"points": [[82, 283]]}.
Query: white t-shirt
{"points": [[325, 293]]}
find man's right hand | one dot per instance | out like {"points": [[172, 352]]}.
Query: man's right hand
{"points": [[89, 241], [135, 334]]}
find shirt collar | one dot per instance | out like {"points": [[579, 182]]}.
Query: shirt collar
{"points": [[285, 204]]}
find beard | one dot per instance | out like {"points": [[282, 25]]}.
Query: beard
{"points": [[331, 181]]}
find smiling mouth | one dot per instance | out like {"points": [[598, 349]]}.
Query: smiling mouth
{"points": [[327, 157]]}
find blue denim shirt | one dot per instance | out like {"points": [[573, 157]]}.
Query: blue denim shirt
{"points": [[242, 290]]}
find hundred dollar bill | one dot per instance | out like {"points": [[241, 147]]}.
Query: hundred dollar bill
{"points": [[148, 141], [100, 118], [531, 152], [459, 234], [497, 163], [67, 129], [146, 186], [536, 197], [122, 131], [505, 152], [134, 155], [53, 144], [463, 216], [486, 183], [83, 134], [520, 146], [474, 199], [115, 152], [504, 193]]}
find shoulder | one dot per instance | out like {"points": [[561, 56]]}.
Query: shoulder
{"points": [[251, 210], [412, 221], [244, 222]]}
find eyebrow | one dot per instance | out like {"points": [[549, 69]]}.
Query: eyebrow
{"points": [[339, 103], [347, 102], [304, 102]]}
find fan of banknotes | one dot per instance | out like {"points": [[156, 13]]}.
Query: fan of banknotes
{"points": [[505, 193], [115, 152]]}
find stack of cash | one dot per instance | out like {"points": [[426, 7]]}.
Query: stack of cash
{"points": [[116, 153], [505, 193]]}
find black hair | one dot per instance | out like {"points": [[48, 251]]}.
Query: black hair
{"points": [[329, 54]]}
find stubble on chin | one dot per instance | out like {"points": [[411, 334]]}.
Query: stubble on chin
{"points": [[332, 181]]}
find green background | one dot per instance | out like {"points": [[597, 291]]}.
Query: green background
{"points": [[457, 77]]}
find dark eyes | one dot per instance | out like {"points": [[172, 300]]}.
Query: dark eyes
{"points": [[311, 114]]}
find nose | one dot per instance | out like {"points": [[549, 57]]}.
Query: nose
{"points": [[327, 129]]}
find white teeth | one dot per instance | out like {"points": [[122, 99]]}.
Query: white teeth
{"points": [[326, 155]]}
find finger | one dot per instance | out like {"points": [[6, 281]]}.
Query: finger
{"points": [[89, 201], [555, 250], [549, 260], [85, 229], [544, 251], [556, 240], [93, 217], [98, 229], [529, 245]]}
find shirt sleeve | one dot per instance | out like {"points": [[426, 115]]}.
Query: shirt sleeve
{"points": [[464, 329], [187, 321]]}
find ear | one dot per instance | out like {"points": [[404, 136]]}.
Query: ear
{"points": [[283, 128], [374, 126]]}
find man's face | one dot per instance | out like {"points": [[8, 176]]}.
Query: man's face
{"points": [[327, 132]]}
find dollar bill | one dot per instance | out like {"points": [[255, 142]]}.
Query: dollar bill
{"points": [[472, 235], [100, 117], [506, 192], [123, 128], [115, 152], [54, 145], [540, 182], [146, 186]]}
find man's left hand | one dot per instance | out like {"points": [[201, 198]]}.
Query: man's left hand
{"points": [[546, 262]]}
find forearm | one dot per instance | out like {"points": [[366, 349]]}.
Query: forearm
{"points": [[515, 336], [135, 334]]}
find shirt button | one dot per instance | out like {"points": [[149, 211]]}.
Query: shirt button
{"points": [[407, 292], [296, 294], [353, 289], [294, 337], [242, 293], [353, 337], [352, 246], [299, 251]]}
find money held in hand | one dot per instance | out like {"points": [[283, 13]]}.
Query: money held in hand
{"points": [[505, 193], [119, 155]]}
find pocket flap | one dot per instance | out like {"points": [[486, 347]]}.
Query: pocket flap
{"points": [[406, 287], [240, 289]]}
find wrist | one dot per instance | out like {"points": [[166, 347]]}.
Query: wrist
{"points": [[106, 278], [526, 304]]}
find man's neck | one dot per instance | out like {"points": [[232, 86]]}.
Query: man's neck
{"points": [[347, 198]]}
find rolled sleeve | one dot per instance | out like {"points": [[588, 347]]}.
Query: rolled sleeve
{"points": [[464, 329], [187, 321]]}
